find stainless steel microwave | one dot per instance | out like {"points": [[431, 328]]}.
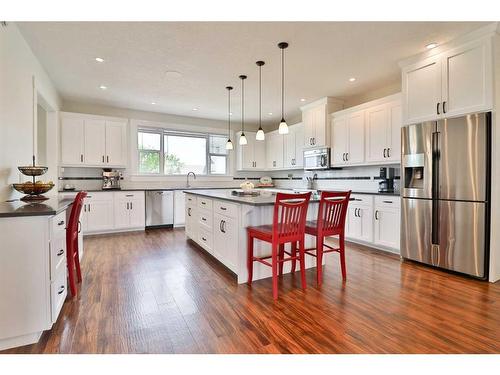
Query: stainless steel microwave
{"points": [[317, 159]]}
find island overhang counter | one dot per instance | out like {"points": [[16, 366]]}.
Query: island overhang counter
{"points": [[216, 220]]}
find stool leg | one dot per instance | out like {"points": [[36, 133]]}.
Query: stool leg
{"points": [[342, 256], [250, 258], [274, 257], [319, 259], [281, 257], [294, 254], [77, 262], [71, 277], [302, 257]]}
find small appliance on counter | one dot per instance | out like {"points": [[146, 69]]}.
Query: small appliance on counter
{"points": [[265, 181], [387, 183], [111, 179]]}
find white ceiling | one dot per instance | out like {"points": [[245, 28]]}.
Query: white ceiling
{"points": [[210, 55]]}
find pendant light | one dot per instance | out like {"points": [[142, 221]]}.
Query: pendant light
{"points": [[283, 128], [229, 144], [243, 138], [260, 136]]}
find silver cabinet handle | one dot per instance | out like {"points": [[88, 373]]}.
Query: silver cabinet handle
{"points": [[204, 239], [204, 219], [444, 107], [103, 158], [376, 214], [223, 208], [385, 151], [107, 159], [127, 206], [61, 289], [89, 207], [129, 195], [389, 152], [131, 207], [60, 223], [437, 108], [387, 201], [223, 226], [81, 158], [189, 211], [61, 252]]}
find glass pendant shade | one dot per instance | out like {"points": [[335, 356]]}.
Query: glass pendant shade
{"points": [[283, 128], [229, 145], [260, 136], [243, 139]]}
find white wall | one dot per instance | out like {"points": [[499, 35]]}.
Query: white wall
{"points": [[18, 66]]}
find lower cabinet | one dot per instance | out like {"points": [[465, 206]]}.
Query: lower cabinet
{"points": [[213, 224], [98, 212], [129, 210], [179, 208], [374, 221]]}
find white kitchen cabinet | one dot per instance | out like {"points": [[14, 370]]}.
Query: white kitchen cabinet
{"points": [[191, 216], [293, 157], [93, 141], [225, 245], [387, 222], [72, 141], [316, 121], [348, 139], [179, 208], [383, 133], [129, 210], [274, 150], [251, 156], [98, 212], [457, 81], [359, 222]]}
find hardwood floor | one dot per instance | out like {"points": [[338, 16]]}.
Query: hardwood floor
{"points": [[154, 292]]}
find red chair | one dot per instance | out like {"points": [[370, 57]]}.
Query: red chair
{"points": [[331, 222], [72, 230], [290, 211]]}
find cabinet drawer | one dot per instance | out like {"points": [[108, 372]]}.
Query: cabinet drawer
{"points": [[190, 200], [57, 255], [58, 292], [388, 201], [205, 239], [225, 208], [129, 195], [361, 199], [98, 196], [59, 225], [205, 218], [205, 203]]}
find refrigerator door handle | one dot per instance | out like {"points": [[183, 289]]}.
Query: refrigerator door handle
{"points": [[435, 189]]}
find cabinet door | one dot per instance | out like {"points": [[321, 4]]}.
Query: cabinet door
{"points": [[366, 222], [179, 208], [421, 90], [387, 223], [339, 140], [72, 141], [289, 155], [394, 132], [259, 153], [377, 122], [320, 124], [191, 220], [467, 79], [230, 229], [100, 215], [219, 243], [121, 213], [137, 213], [299, 146], [95, 142], [116, 133], [356, 138], [353, 224], [308, 121], [245, 152]]}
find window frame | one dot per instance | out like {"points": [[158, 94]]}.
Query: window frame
{"points": [[170, 132]]}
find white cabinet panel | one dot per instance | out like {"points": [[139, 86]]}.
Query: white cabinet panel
{"points": [[377, 120], [100, 215], [137, 212], [339, 140], [121, 214], [356, 138], [274, 150], [179, 208], [72, 141], [251, 156], [299, 145], [320, 126], [387, 226], [259, 153], [95, 142], [225, 245], [116, 143], [394, 132]]}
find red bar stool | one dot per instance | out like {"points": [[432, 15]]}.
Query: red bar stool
{"points": [[331, 222], [72, 230], [289, 219]]}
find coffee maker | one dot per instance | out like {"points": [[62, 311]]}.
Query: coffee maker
{"points": [[387, 183], [110, 179]]}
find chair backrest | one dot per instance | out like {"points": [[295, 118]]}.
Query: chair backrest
{"points": [[76, 208], [332, 211], [290, 211]]}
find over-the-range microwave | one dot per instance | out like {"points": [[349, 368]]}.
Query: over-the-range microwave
{"points": [[317, 159]]}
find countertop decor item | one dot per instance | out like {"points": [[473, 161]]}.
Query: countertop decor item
{"points": [[34, 190]]}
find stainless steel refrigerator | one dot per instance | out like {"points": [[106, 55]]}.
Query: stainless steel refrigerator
{"points": [[445, 189]]}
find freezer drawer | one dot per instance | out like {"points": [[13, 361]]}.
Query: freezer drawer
{"points": [[416, 230], [462, 237]]}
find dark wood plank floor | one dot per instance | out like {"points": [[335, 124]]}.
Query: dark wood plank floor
{"points": [[154, 292]]}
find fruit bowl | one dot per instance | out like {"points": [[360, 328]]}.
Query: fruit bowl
{"points": [[30, 170], [33, 190]]}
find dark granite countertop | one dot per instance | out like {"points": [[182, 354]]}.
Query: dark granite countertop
{"points": [[49, 207], [148, 189]]}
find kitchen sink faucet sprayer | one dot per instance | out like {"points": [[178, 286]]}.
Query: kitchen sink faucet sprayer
{"points": [[187, 178]]}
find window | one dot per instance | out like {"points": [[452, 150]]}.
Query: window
{"points": [[165, 152]]}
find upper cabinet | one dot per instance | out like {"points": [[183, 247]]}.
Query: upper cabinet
{"points": [[456, 81], [93, 141], [251, 156], [293, 154], [316, 121], [348, 138]]}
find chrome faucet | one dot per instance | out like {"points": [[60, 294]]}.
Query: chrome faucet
{"points": [[187, 178]]}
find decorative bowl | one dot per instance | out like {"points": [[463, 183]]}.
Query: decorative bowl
{"points": [[30, 170], [31, 188]]}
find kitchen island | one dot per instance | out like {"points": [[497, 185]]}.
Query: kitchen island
{"points": [[216, 220]]}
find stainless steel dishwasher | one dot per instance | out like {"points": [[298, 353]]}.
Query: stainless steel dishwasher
{"points": [[159, 209]]}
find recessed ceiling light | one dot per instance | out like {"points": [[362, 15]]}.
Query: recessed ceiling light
{"points": [[302, 100], [195, 109], [352, 79], [99, 59], [270, 113], [102, 87], [173, 74], [153, 103], [431, 45], [230, 113]]}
